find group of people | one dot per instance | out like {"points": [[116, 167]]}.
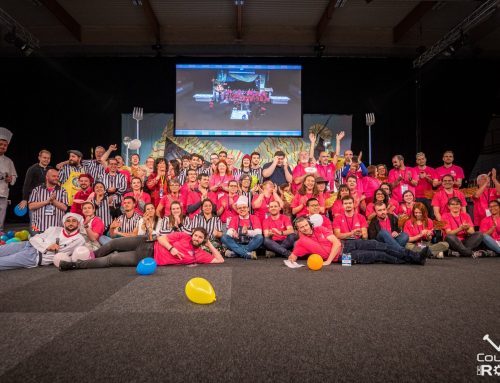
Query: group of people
{"points": [[186, 210]]}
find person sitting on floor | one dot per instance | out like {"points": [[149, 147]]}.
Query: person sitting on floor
{"points": [[279, 236]]}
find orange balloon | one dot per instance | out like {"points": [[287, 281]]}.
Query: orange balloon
{"points": [[315, 262]]}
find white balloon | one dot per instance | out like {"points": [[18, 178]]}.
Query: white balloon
{"points": [[135, 144], [80, 253], [316, 220]]}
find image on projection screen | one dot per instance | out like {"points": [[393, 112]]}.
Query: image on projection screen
{"points": [[238, 100]]}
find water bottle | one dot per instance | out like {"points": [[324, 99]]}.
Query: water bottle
{"points": [[346, 259]]}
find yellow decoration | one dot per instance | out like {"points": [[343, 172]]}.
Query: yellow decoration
{"points": [[72, 186]]}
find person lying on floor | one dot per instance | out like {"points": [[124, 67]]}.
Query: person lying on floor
{"points": [[41, 248], [177, 248], [318, 240]]}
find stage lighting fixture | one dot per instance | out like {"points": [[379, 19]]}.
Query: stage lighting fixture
{"points": [[340, 3], [239, 2], [137, 3], [319, 49]]}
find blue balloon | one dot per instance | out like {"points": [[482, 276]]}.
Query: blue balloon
{"points": [[11, 234], [4, 238], [12, 240], [146, 267], [20, 212]]}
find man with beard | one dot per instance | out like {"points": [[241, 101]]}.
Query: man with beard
{"points": [[69, 173], [402, 178], [85, 181], [48, 203], [180, 248], [41, 248], [318, 240]]}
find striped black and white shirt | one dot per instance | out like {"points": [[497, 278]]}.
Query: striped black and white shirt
{"points": [[258, 173], [67, 169], [118, 181], [128, 225], [95, 169], [211, 224], [102, 211], [48, 215], [165, 227], [183, 174]]}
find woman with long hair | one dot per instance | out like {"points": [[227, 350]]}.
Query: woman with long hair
{"points": [[163, 207], [382, 173], [419, 228], [219, 181], [338, 208], [308, 189], [406, 206], [157, 182], [379, 196], [175, 221], [102, 204], [149, 224]]}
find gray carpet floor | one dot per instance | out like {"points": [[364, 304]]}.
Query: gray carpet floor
{"points": [[375, 323]]}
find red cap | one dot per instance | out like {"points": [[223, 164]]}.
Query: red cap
{"points": [[247, 156]]}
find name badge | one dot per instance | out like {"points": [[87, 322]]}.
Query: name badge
{"points": [[488, 213], [404, 188], [161, 193], [50, 210], [220, 195]]}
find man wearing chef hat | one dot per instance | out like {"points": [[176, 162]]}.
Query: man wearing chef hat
{"points": [[41, 248], [8, 173]]}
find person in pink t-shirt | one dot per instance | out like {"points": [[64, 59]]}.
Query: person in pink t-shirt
{"points": [[139, 194], [370, 183], [317, 240], [244, 232], [261, 201], [315, 216], [184, 249], [484, 195], [460, 234], [299, 172], [279, 236], [448, 168], [442, 197], [356, 191], [402, 178], [338, 207], [419, 228], [163, 208], [350, 225], [326, 168], [490, 227], [426, 175], [406, 206], [226, 204], [308, 190], [219, 181], [195, 197]]}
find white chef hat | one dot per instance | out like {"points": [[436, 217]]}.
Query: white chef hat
{"points": [[78, 217], [5, 134], [242, 200]]}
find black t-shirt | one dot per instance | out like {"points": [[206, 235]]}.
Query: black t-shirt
{"points": [[278, 176]]}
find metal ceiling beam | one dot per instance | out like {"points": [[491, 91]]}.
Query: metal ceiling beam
{"points": [[152, 19], [64, 17], [325, 19], [415, 15]]}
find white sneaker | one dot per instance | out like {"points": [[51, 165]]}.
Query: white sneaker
{"points": [[229, 254], [440, 255], [253, 255]]}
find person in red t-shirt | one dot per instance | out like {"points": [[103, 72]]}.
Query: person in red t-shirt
{"points": [[490, 227], [484, 194], [460, 233], [279, 236], [448, 168], [85, 181], [317, 240], [443, 196], [350, 225], [244, 233], [426, 175], [384, 227], [184, 249]]}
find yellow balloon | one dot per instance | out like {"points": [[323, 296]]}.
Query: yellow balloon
{"points": [[200, 291], [254, 180]]}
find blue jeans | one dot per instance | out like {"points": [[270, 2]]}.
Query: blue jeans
{"points": [[18, 255], [242, 250], [491, 244], [401, 240], [371, 251]]}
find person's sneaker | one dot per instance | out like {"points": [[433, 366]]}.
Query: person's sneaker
{"points": [[440, 255], [252, 255], [65, 266], [453, 253], [229, 254], [490, 253], [269, 254], [422, 256], [477, 254]]}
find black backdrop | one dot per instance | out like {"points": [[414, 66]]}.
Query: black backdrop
{"points": [[77, 103]]}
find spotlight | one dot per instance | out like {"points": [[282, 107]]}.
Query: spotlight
{"points": [[13, 39]]}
